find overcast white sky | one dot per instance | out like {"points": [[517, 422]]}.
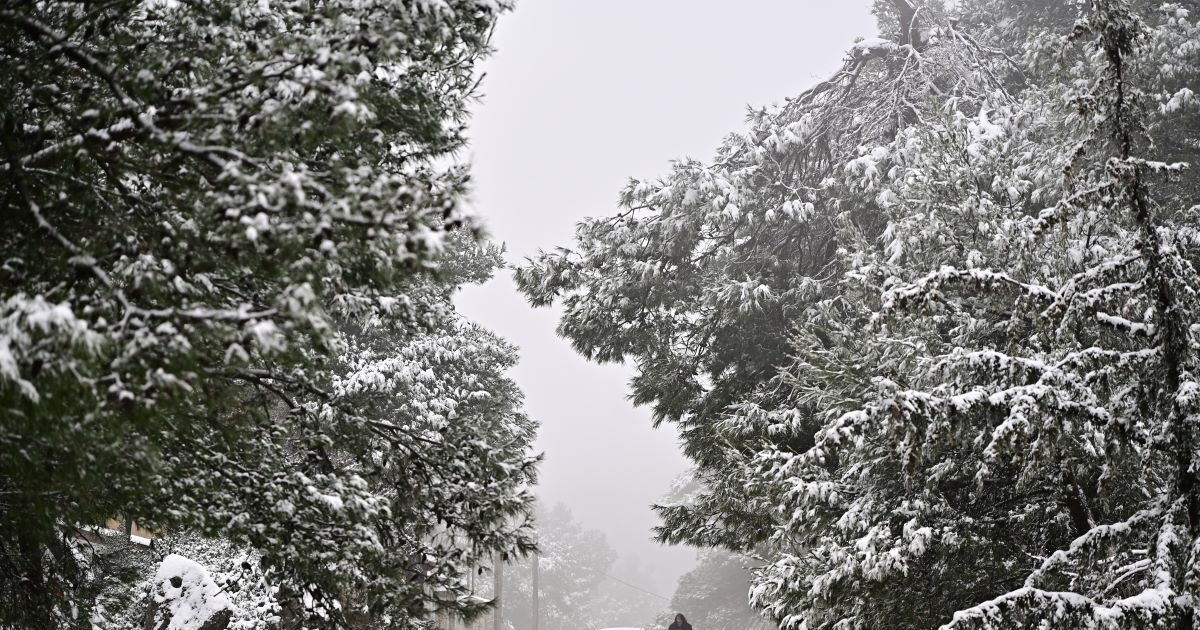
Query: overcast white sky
{"points": [[580, 96]]}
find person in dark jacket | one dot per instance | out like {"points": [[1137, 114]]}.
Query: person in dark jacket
{"points": [[680, 623]]}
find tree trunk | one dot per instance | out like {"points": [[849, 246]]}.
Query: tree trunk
{"points": [[33, 592], [909, 33]]}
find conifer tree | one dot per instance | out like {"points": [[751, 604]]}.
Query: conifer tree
{"points": [[226, 301], [956, 387]]}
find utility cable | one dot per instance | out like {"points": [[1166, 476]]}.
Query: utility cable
{"points": [[636, 588]]}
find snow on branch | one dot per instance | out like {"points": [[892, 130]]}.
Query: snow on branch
{"points": [[929, 287], [1064, 609], [1095, 537]]}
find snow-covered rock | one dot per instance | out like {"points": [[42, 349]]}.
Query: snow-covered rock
{"points": [[185, 597]]}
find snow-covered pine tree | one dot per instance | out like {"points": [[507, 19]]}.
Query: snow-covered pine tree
{"points": [[220, 219], [970, 428], [945, 475], [977, 379], [1116, 380]]}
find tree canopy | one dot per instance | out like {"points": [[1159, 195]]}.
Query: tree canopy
{"points": [[929, 328], [231, 232]]}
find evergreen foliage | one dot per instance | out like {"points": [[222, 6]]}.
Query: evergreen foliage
{"points": [[930, 329], [227, 271]]}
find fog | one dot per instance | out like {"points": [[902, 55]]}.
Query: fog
{"points": [[579, 97]]}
